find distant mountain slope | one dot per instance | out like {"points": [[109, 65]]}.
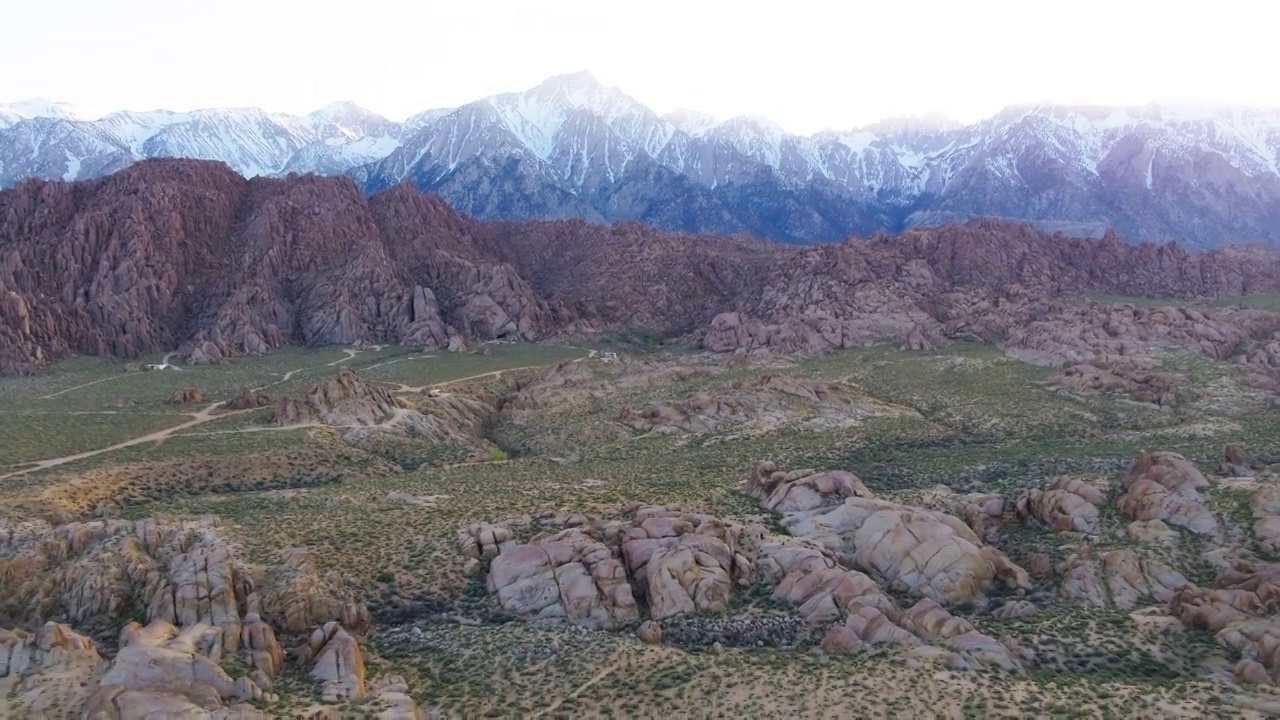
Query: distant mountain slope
{"points": [[572, 147]]}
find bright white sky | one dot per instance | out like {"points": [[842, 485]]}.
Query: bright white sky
{"points": [[807, 64]]}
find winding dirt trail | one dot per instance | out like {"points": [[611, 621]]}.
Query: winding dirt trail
{"points": [[350, 356], [207, 414], [197, 418]]}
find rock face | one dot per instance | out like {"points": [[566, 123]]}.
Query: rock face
{"points": [[188, 396], [569, 576], [187, 254], [42, 670], [1066, 505], [1165, 486], [1241, 611], [1122, 579], [1265, 505], [248, 400], [336, 662], [919, 552], [783, 492], [202, 607], [181, 572]]}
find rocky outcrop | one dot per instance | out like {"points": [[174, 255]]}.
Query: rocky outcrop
{"points": [[1235, 462], [184, 573], [1066, 505], [1241, 611], [982, 512], [372, 417], [928, 631], [335, 661], [46, 671], [930, 621], [677, 565], [189, 396], [177, 666], [681, 564], [1165, 486], [1125, 375], [296, 596], [783, 492], [346, 400], [203, 609], [1119, 578], [841, 547], [919, 552], [569, 576], [180, 572], [699, 413], [172, 253], [1265, 506], [248, 400]]}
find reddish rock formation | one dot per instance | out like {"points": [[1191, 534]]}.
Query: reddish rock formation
{"points": [[186, 397], [248, 399], [173, 253]]}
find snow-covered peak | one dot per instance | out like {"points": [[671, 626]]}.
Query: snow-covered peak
{"points": [[579, 91], [346, 120], [132, 129], [914, 125], [691, 122], [426, 117], [536, 117], [752, 135], [43, 107]]}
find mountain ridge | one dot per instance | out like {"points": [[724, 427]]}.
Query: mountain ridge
{"points": [[574, 147], [188, 254]]}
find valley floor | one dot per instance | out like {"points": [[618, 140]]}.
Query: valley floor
{"points": [[89, 439]]}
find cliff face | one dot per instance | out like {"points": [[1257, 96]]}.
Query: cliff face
{"points": [[173, 253]]}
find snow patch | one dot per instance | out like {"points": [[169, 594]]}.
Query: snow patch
{"points": [[73, 167]]}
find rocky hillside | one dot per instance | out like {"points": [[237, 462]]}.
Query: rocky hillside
{"points": [[573, 147], [189, 254]]}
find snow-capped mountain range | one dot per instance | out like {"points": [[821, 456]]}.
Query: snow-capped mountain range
{"points": [[573, 147]]}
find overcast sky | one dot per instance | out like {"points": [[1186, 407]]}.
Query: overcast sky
{"points": [[806, 64]]}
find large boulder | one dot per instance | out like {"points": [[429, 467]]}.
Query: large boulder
{"points": [[1119, 578], [569, 577], [163, 669], [336, 661], [933, 623], [683, 574], [1241, 611], [919, 552], [1265, 505], [1166, 486], [782, 491], [48, 671], [1066, 505]]}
